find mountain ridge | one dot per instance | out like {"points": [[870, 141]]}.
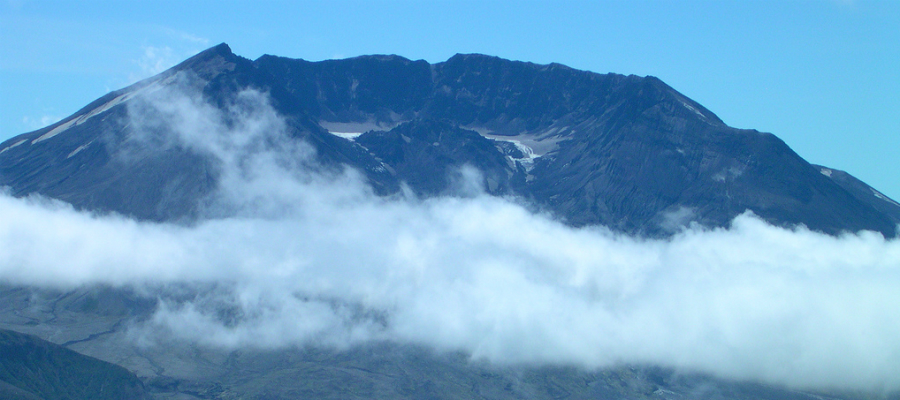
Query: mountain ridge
{"points": [[608, 149]]}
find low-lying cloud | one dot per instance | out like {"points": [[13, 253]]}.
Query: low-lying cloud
{"points": [[301, 256]]}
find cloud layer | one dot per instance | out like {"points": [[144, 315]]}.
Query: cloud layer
{"points": [[295, 256]]}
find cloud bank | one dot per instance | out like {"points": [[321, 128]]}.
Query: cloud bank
{"points": [[295, 254]]}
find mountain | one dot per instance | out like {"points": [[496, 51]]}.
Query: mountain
{"points": [[31, 368], [626, 152]]}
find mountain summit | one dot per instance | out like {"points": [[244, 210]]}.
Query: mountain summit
{"points": [[626, 152]]}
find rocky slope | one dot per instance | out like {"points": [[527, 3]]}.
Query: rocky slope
{"points": [[31, 368]]}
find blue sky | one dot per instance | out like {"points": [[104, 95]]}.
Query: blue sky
{"points": [[822, 75]]}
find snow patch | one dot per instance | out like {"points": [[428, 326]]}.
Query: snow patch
{"points": [[56, 131], [533, 145], [79, 149], [84, 117], [347, 135], [103, 108], [13, 145], [352, 130], [540, 143], [883, 197], [528, 160], [691, 108], [825, 171], [528, 153]]}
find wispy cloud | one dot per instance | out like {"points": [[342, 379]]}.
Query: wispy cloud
{"points": [[154, 60], [158, 58], [39, 122], [188, 37]]}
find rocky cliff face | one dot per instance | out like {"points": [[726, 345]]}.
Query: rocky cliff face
{"points": [[627, 152]]}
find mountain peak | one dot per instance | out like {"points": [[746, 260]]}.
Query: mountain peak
{"points": [[210, 62], [221, 49]]}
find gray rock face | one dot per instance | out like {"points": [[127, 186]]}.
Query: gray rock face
{"points": [[627, 152]]}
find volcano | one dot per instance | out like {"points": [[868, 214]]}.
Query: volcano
{"points": [[609, 155]]}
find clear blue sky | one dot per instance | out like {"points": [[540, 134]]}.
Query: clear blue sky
{"points": [[822, 75]]}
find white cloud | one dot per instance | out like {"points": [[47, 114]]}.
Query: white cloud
{"points": [[154, 60], [297, 256], [188, 37], [37, 123]]}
